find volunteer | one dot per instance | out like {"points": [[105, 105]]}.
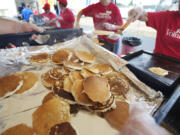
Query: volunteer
{"points": [[66, 17], [48, 15], [167, 24], [26, 13], [10, 26], [106, 16]]}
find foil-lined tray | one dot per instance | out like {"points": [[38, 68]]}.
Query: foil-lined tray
{"points": [[18, 109]]}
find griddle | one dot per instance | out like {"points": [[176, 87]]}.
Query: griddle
{"points": [[141, 61]]}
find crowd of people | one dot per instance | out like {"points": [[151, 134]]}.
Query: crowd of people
{"points": [[106, 16]]}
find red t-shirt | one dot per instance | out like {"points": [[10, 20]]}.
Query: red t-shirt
{"points": [[68, 19], [50, 16], [167, 24], [103, 14]]}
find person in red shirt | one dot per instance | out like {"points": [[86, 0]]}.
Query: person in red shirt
{"points": [[48, 15], [66, 17], [106, 16], [167, 24]]}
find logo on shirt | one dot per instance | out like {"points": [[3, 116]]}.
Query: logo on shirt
{"points": [[105, 15], [178, 31], [174, 34]]}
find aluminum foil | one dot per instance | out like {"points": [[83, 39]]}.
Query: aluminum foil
{"points": [[17, 60]]}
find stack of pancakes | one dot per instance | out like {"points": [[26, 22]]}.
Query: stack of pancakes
{"points": [[75, 82], [78, 79]]}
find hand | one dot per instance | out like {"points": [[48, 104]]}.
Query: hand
{"points": [[141, 123], [109, 26], [135, 13], [26, 27]]}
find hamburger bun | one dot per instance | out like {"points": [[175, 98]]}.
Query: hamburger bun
{"points": [[97, 89]]}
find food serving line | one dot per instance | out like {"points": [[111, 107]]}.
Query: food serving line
{"points": [[158, 100]]}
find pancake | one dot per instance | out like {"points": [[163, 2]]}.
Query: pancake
{"points": [[86, 73], [67, 84], [54, 111], [79, 95], [103, 107], [72, 65], [103, 32], [158, 71], [64, 95], [85, 56], [47, 81], [72, 57], [75, 75], [40, 58], [29, 80], [60, 56], [97, 89], [100, 68], [118, 86], [62, 129], [58, 72], [20, 129], [118, 116], [48, 97], [10, 84], [117, 74], [59, 84]]}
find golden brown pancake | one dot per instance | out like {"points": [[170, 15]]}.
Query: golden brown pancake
{"points": [[72, 65], [158, 71], [20, 129], [118, 86], [85, 56], [62, 129], [54, 111], [86, 73], [29, 80], [58, 72], [100, 68], [117, 74], [75, 75], [67, 84], [119, 116], [72, 57], [9, 83], [40, 58], [60, 56], [79, 95], [103, 107], [47, 81], [48, 97], [97, 89]]}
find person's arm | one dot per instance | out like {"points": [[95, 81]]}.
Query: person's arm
{"points": [[138, 14], [10, 26], [78, 18], [141, 123]]}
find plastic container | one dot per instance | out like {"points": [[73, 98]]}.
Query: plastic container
{"points": [[129, 45]]}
